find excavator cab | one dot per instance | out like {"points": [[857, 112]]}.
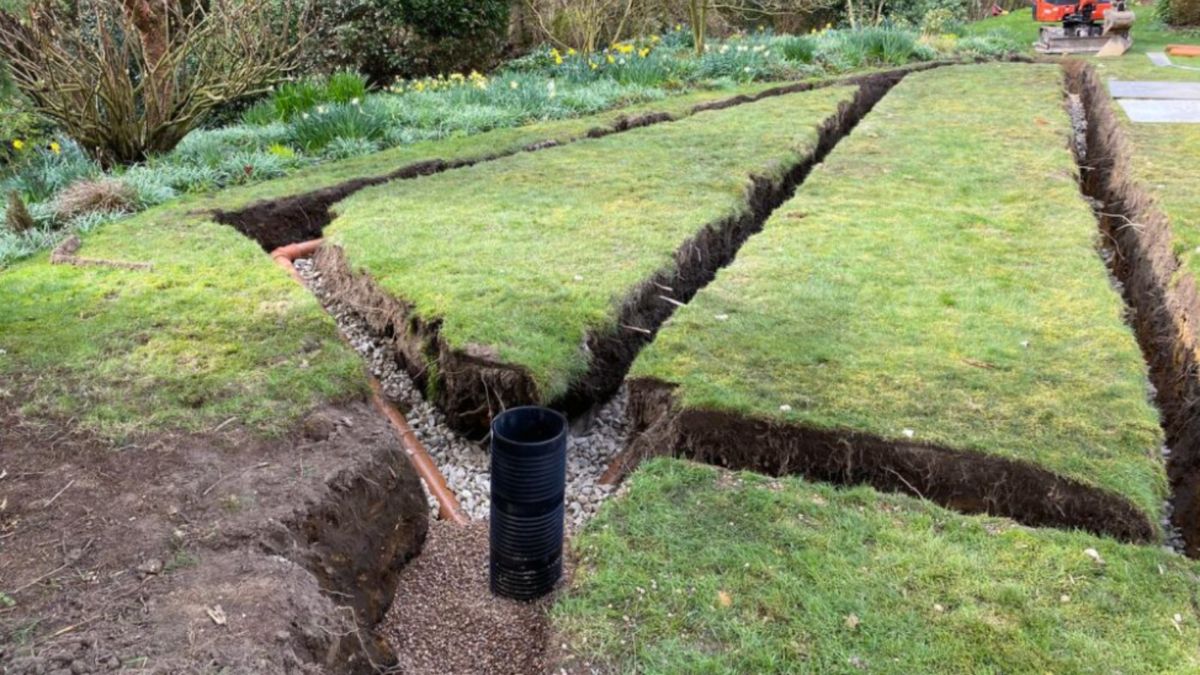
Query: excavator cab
{"points": [[1085, 27]]}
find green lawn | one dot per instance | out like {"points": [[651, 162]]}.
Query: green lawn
{"points": [[935, 281], [695, 571], [215, 330], [528, 254]]}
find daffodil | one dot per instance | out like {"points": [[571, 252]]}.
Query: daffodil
{"points": [[513, 84], [592, 65], [571, 51], [55, 147], [644, 52], [611, 59], [18, 144]]}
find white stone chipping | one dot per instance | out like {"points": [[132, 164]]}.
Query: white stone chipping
{"points": [[466, 463]]}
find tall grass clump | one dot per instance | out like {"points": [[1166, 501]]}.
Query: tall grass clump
{"points": [[313, 131], [797, 48], [295, 98]]}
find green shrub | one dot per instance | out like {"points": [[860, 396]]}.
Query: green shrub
{"points": [[345, 148], [454, 35], [149, 187], [1178, 12], [887, 46], [992, 45], [386, 39], [246, 167], [292, 98], [301, 96]]}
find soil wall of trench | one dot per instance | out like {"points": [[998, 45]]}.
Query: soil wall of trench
{"points": [[1164, 307]]}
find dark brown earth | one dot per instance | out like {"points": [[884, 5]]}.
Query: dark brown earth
{"points": [[451, 624], [208, 552]]}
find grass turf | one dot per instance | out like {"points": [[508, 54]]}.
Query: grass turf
{"points": [[530, 253], [215, 330], [698, 571], [935, 279]]}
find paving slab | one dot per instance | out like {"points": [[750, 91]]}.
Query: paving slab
{"points": [[1161, 111], [1186, 91]]}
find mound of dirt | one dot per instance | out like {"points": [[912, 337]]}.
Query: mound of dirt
{"points": [[209, 552]]}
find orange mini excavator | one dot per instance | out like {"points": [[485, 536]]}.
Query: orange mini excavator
{"points": [[1087, 26]]}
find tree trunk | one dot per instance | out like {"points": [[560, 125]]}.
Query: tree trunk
{"points": [[151, 19]]}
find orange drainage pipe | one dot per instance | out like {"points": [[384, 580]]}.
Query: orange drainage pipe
{"points": [[448, 506]]}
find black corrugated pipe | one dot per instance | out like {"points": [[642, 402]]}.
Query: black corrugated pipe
{"points": [[529, 480]]}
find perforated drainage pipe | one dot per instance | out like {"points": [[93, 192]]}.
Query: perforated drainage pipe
{"points": [[448, 506]]}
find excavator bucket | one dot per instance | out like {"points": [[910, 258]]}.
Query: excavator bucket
{"points": [[1111, 39]]}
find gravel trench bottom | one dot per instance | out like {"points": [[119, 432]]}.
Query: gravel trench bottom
{"points": [[445, 620]]}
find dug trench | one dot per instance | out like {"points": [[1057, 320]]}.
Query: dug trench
{"points": [[1163, 310], [275, 223], [1161, 296], [214, 551], [469, 385]]}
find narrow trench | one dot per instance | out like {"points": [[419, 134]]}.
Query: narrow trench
{"points": [[274, 223], [469, 387], [1163, 305], [1161, 297]]}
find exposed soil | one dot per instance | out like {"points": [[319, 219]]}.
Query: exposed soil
{"points": [[473, 384], [303, 217], [206, 552], [1164, 305], [452, 624]]}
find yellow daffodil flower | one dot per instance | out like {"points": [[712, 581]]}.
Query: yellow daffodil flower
{"points": [[55, 147], [18, 144]]}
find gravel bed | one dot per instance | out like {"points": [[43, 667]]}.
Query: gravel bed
{"points": [[466, 463], [446, 621]]}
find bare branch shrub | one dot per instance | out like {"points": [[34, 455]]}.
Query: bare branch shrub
{"points": [[128, 78], [586, 25]]}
